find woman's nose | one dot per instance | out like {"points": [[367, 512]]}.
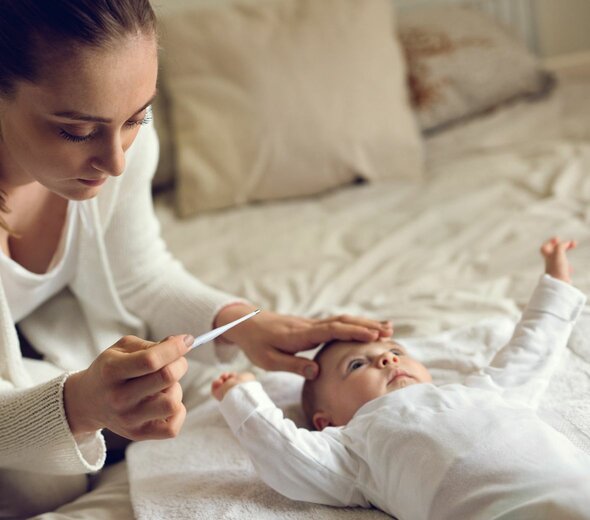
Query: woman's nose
{"points": [[110, 160], [387, 358]]}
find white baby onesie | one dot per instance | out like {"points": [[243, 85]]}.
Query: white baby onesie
{"points": [[476, 450]]}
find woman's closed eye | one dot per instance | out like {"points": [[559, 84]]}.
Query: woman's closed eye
{"points": [[132, 123], [148, 116], [75, 138]]}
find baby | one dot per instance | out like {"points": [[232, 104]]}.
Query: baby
{"points": [[388, 437]]}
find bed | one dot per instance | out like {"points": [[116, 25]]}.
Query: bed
{"points": [[450, 257]]}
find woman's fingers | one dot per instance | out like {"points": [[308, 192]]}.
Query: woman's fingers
{"points": [[383, 327], [164, 428], [156, 417], [343, 327], [164, 404], [330, 330], [136, 389], [277, 360], [133, 357]]}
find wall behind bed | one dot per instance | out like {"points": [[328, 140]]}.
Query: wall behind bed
{"points": [[550, 28], [518, 15], [564, 26]]}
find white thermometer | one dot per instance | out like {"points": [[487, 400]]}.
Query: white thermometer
{"points": [[212, 334]]}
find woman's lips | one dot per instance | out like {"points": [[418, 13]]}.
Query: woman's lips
{"points": [[93, 182]]}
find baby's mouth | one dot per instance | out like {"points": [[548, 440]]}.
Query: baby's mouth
{"points": [[400, 377]]}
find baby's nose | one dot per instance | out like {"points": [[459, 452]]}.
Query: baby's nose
{"points": [[387, 358]]}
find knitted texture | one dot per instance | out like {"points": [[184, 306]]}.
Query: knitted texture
{"points": [[35, 433]]}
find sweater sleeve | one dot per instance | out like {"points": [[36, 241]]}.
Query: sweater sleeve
{"points": [[302, 465], [151, 283], [523, 367], [35, 435]]}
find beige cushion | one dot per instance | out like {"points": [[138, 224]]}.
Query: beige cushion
{"points": [[165, 176], [280, 98], [461, 63]]}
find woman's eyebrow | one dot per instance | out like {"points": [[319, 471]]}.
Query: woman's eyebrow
{"points": [[79, 116]]}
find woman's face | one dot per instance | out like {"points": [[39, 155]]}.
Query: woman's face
{"points": [[69, 130]]}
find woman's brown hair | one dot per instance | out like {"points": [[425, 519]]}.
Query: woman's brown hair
{"points": [[32, 29]]}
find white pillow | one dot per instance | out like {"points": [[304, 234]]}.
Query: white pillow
{"points": [[462, 63], [272, 99]]}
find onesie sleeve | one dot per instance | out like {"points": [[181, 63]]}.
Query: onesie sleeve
{"points": [[300, 464], [522, 368], [35, 435]]}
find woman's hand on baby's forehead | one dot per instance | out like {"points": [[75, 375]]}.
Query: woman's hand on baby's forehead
{"points": [[270, 340], [348, 328]]}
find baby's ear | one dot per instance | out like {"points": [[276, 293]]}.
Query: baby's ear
{"points": [[321, 420]]}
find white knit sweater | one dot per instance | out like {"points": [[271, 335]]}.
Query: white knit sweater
{"points": [[126, 282]]}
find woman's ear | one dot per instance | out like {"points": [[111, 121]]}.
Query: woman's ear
{"points": [[321, 420]]}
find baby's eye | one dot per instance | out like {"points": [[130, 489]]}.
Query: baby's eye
{"points": [[397, 352], [355, 364]]}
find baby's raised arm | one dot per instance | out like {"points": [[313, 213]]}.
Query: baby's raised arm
{"points": [[523, 367], [556, 261]]}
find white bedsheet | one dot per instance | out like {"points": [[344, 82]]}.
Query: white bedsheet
{"points": [[440, 256], [204, 473]]}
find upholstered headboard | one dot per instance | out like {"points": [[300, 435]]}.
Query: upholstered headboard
{"points": [[518, 15]]}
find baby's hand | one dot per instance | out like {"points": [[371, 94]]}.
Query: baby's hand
{"points": [[227, 381], [556, 262]]}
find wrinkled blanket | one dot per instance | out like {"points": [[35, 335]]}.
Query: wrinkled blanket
{"points": [[451, 261]]}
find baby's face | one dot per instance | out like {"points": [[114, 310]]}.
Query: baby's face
{"points": [[352, 374]]}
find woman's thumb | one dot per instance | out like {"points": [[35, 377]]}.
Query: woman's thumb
{"points": [[306, 367]]}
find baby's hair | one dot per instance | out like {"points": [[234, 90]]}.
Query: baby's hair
{"points": [[309, 393]]}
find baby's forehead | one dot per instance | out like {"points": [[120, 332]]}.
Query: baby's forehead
{"points": [[339, 349]]}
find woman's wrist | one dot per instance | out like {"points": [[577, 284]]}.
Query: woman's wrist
{"points": [[74, 407], [229, 313]]}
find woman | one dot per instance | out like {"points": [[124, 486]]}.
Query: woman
{"points": [[82, 263]]}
